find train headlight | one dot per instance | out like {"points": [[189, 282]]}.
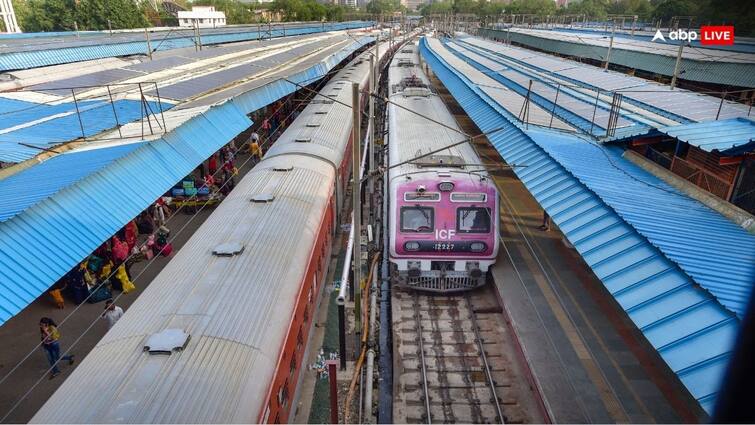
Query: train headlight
{"points": [[411, 246], [446, 186], [477, 247]]}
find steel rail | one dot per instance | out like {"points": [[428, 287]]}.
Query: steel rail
{"points": [[484, 357], [423, 366]]}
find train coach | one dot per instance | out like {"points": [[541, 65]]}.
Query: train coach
{"points": [[323, 129], [220, 335], [443, 224]]}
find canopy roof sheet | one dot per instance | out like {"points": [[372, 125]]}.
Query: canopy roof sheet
{"points": [[73, 211], [627, 225], [729, 137], [41, 50]]}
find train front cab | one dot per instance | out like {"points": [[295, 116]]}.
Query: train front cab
{"points": [[444, 233]]}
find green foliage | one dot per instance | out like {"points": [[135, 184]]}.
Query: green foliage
{"points": [[334, 12], [60, 15], [533, 7], [301, 10], [436, 8], [381, 7], [94, 14], [642, 8]]}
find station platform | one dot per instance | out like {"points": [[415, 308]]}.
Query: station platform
{"points": [[589, 361]]}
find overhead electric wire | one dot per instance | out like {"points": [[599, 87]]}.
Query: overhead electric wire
{"points": [[113, 273], [262, 144]]}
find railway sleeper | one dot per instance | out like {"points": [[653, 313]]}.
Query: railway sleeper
{"points": [[453, 380], [447, 363]]}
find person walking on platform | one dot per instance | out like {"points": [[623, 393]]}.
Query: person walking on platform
{"points": [[50, 343], [112, 313], [546, 226], [254, 147]]}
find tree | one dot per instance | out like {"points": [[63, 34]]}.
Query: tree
{"points": [[300, 10], [667, 9], [642, 8], [334, 12], [592, 8], [49, 15], [436, 8]]}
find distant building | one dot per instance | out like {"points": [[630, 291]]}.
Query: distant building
{"points": [[204, 16], [349, 3], [562, 3]]}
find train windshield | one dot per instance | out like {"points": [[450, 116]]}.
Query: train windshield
{"points": [[473, 220], [417, 219]]}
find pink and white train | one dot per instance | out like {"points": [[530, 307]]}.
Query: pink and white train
{"points": [[444, 206]]}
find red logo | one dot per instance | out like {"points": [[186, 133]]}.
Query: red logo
{"points": [[722, 35]]}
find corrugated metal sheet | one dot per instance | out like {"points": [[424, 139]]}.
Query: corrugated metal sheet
{"points": [[79, 217], [63, 222], [678, 104], [28, 187], [101, 47], [95, 117], [704, 65], [253, 100], [331, 135], [692, 332], [236, 309], [578, 111], [729, 137]]}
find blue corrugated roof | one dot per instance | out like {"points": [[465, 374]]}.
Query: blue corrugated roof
{"points": [[86, 208], [714, 251], [24, 189], [96, 116], [729, 137], [59, 55], [43, 243], [692, 332]]}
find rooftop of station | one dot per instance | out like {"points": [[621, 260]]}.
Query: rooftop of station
{"points": [[698, 63], [110, 134], [24, 51], [664, 256], [81, 101]]}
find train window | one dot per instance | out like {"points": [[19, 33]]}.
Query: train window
{"points": [[293, 368], [283, 395], [417, 219], [422, 196], [473, 220], [468, 197]]}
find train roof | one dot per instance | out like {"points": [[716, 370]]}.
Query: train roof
{"points": [[411, 135], [323, 128], [236, 310]]}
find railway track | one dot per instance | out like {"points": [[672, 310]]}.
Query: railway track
{"points": [[457, 362]]}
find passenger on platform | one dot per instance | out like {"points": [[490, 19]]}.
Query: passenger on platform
{"points": [[50, 337], [254, 148], [229, 171], [209, 182], [546, 222], [145, 222], [161, 212], [212, 165], [112, 313], [266, 127]]}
